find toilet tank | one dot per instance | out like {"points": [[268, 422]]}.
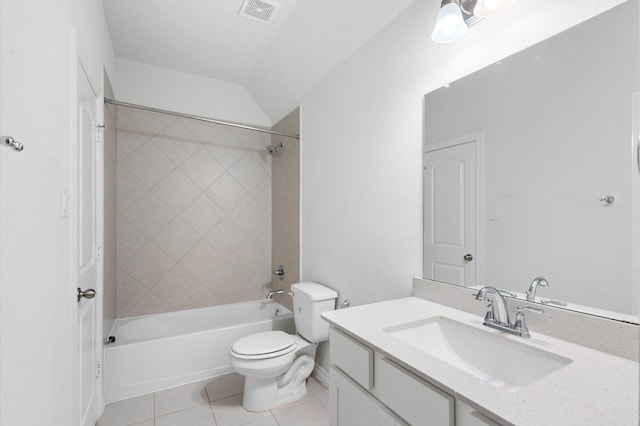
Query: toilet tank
{"points": [[309, 301]]}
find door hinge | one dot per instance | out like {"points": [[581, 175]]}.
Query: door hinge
{"points": [[98, 252], [98, 369], [99, 132]]}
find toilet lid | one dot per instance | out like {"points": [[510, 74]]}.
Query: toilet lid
{"points": [[266, 342]]}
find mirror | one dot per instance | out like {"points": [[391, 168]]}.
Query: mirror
{"points": [[551, 133]]}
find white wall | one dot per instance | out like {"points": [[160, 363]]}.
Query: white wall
{"points": [[36, 292], [186, 93], [361, 182], [93, 34], [316, 38]]}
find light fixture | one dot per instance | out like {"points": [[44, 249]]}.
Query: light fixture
{"points": [[450, 25], [488, 8], [456, 16]]}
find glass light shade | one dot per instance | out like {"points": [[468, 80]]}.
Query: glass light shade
{"points": [[450, 25], [488, 8]]}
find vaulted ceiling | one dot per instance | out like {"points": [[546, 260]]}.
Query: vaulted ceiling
{"points": [[276, 62]]}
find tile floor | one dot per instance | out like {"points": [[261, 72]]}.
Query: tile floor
{"points": [[216, 402]]}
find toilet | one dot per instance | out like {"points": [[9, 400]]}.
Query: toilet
{"points": [[276, 364]]}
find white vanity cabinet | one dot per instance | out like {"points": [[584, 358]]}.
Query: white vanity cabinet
{"points": [[366, 388]]}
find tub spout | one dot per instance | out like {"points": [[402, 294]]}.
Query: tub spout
{"points": [[275, 293]]}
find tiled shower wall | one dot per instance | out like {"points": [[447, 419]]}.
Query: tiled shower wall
{"points": [[193, 211], [286, 206]]}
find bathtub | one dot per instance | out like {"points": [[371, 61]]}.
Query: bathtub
{"points": [[156, 352]]}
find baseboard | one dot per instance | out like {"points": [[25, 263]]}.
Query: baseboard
{"points": [[321, 375]]}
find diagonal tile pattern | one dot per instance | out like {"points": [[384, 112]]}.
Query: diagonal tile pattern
{"points": [[176, 239], [148, 163], [202, 168], [203, 214], [226, 147], [175, 143], [194, 214], [149, 214], [249, 171], [176, 190]]}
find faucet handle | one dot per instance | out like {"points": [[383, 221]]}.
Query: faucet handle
{"points": [[553, 302], [522, 309], [508, 293], [520, 325], [489, 316]]}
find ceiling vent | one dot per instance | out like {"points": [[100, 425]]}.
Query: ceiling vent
{"points": [[259, 10]]}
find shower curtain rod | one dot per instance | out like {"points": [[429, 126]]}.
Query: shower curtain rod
{"points": [[196, 117]]}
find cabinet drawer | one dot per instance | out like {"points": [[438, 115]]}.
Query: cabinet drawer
{"points": [[416, 401], [351, 357]]}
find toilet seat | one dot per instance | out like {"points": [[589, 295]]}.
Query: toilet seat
{"points": [[268, 344]]}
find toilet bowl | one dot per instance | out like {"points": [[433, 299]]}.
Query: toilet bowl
{"points": [[274, 375], [276, 364]]}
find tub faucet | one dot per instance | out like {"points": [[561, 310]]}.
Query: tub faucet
{"points": [[498, 316], [537, 282], [275, 293]]}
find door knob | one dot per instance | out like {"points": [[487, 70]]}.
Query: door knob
{"points": [[8, 140], [468, 257], [87, 294]]}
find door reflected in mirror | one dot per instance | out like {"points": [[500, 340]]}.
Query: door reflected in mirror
{"points": [[556, 181]]}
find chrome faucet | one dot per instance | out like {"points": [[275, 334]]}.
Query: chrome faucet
{"points": [[537, 282], [275, 293], [498, 316], [497, 307]]}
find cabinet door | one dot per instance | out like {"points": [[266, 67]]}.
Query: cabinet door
{"points": [[352, 406]]}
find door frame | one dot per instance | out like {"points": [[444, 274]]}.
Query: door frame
{"points": [[476, 138], [80, 57], [635, 203]]}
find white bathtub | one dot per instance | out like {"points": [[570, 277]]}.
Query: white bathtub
{"points": [[156, 352]]}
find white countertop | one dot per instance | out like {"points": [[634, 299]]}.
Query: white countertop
{"points": [[594, 389]]}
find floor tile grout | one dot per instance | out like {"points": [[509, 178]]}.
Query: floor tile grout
{"points": [[312, 396]]}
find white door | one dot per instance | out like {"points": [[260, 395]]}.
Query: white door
{"points": [[86, 249], [451, 214]]}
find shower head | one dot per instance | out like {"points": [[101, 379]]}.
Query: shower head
{"points": [[274, 150]]}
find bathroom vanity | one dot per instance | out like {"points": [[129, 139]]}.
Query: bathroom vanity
{"points": [[413, 361]]}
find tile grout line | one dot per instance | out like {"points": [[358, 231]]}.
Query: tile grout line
{"points": [[213, 414]]}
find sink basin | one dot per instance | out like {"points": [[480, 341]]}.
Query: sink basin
{"points": [[490, 357]]}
